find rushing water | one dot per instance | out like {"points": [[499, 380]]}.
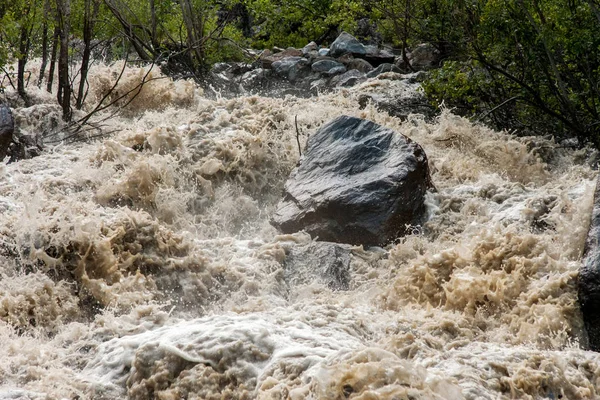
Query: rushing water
{"points": [[143, 265]]}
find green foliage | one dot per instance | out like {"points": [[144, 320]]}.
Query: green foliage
{"points": [[295, 23], [531, 65]]}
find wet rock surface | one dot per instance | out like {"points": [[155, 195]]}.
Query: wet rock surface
{"points": [[357, 183], [589, 277], [332, 261], [7, 127], [346, 43]]}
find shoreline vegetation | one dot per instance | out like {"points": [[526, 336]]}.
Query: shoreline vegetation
{"points": [[529, 67]]}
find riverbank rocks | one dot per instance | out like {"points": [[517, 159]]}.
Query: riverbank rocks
{"points": [[357, 183], [7, 127], [589, 277], [312, 70]]}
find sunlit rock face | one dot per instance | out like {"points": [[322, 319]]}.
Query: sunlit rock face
{"points": [[358, 183]]}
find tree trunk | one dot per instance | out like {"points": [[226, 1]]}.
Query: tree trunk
{"points": [[90, 13], [44, 43], [64, 88], [192, 20], [53, 53], [24, 43]]}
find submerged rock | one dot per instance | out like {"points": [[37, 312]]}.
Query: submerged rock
{"points": [[7, 127], [357, 183], [323, 262], [589, 277]]}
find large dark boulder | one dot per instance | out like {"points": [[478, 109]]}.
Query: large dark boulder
{"points": [[357, 183], [7, 127], [589, 277]]}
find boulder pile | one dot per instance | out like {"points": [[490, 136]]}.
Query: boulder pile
{"points": [[314, 69]]}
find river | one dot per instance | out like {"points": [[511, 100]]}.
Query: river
{"points": [[142, 265]]}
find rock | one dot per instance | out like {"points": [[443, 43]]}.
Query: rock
{"points": [[268, 57], [424, 56], [323, 52], [318, 85], [220, 67], [349, 78], [309, 48], [299, 71], [357, 183], [7, 127], [360, 65], [366, 31], [346, 43], [376, 56], [345, 59], [387, 67], [589, 277], [255, 79], [322, 262], [398, 106], [282, 67], [335, 71], [325, 65]]}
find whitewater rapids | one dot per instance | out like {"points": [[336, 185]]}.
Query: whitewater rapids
{"points": [[142, 265]]}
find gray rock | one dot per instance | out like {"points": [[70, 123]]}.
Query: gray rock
{"points": [[7, 127], [589, 277], [346, 43], [357, 183], [349, 78], [282, 67], [254, 79], [360, 65], [335, 71], [318, 85], [398, 106], [299, 71], [267, 58], [323, 52], [424, 56], [309, 48], [377, 56], [325, 65], [321, 262], [387, 67], [220, 67]]}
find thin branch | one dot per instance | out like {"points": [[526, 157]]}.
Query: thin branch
{"points": [[298, 135]]}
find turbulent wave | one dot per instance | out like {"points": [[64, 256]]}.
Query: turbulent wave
{"points": [[143, 265]]}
